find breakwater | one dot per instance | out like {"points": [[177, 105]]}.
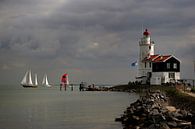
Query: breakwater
{"points": [[153, 111]]}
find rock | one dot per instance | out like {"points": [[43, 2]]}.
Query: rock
{"points": [[170, 108], [193, 120], [163, 117], [150, 112], [164, 126], [189, 116], [176, 120], [154, 112], [184, 112], [172, 124], [135, 118], [157, 91], [184, 124], [177, 115], [152, 126]]}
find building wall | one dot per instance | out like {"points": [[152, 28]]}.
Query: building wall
{"points": [[144, 68], [145, 50], [167, 66], [159, 78]]}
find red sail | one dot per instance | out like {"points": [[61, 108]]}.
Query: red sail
{"points": [[64, 78]]}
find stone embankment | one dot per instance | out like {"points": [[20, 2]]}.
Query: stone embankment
{"points": [[153, 112]]}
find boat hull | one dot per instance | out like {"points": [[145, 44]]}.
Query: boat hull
{"points": [[29, 86]]}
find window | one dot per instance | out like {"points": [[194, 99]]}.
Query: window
{"points": [[150, 64], [149, 74], [172, 75], [175, 65], [168, 65]]}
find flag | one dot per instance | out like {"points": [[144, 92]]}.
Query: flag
{"points": [[134, 64]]}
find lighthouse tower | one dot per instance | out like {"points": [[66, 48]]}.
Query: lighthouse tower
{"points": [[146, 50]]}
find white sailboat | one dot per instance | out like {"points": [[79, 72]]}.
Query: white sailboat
{"points": [[27, 80], [45, 81]]}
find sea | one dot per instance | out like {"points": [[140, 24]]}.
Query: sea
{"points": [[50, 108]]}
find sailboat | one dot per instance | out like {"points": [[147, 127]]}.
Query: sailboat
{"points": [[64, 79], [45, 81], [27, 80]]}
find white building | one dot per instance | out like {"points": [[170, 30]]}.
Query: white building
{"points": [[153, 68]]}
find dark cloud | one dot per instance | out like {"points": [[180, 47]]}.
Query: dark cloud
{"points": [[90, 38]]}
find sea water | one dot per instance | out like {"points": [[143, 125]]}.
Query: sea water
{"points": [[50, 108]]}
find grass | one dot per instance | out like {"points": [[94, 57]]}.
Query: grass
{"points": [[181, 100], [193, 90]]}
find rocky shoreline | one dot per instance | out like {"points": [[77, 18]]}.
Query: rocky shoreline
{"points": [[153, 111]]}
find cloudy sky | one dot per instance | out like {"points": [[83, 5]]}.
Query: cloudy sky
{"points": [[92, 40]]}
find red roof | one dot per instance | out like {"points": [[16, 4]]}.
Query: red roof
{"points": [[157, 58], [162, 58], [151, 57]]}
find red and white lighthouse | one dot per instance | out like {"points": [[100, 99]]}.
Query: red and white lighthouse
{"points": [[146, 50]]}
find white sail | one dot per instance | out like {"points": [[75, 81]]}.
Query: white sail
{"points": [[27, 80], [36, 82], [24, 80], [67, 80], [45, 81], [30, 78]]}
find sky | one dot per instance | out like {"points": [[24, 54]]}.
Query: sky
{"points": [[92, 40]]}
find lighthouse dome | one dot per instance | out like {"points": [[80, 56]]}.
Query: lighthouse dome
{"points": [[146, 33]]}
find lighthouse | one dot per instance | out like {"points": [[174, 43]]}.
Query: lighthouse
{"points": [[153, 68], [146, 45], [146, 50]]}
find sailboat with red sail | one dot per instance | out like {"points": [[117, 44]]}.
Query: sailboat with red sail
{"points": [[64, 81]]}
